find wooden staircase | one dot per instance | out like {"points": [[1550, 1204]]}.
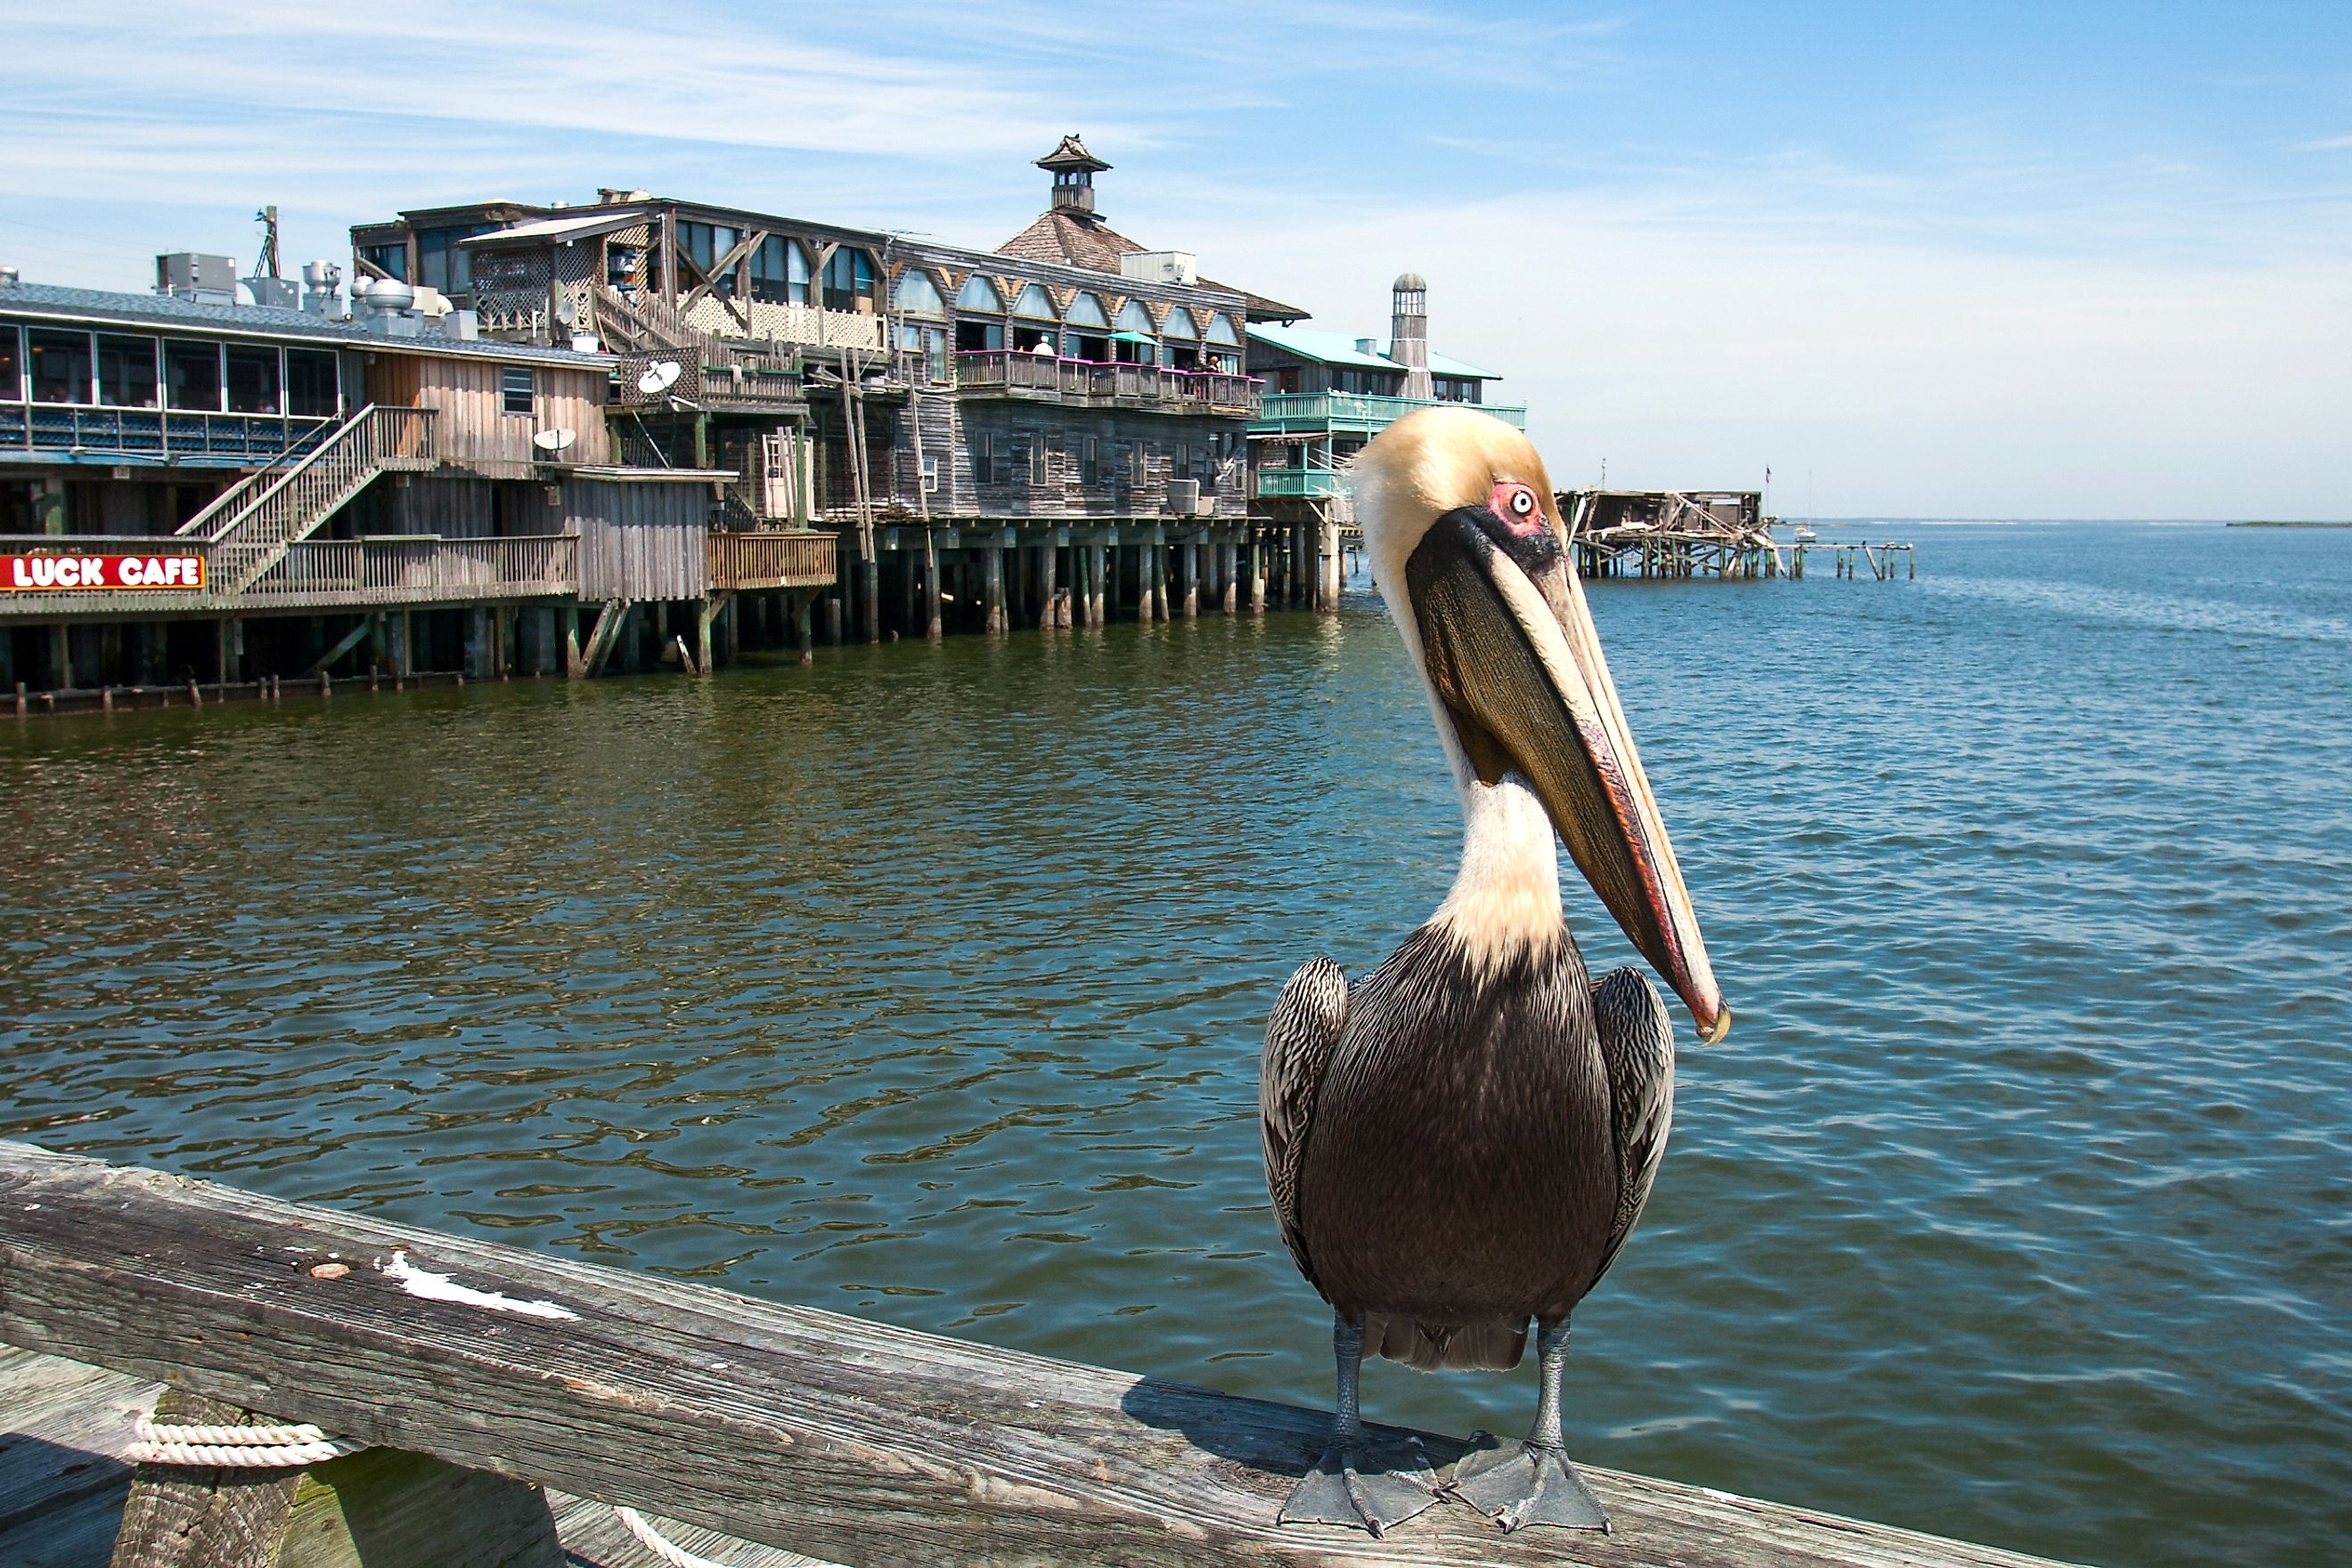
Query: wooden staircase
{"points": [[252, 526]]}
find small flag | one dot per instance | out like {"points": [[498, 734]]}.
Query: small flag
{"points": [[1768, 475]]}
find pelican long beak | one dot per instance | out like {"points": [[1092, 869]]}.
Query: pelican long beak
{"points": [[1512, 653]]}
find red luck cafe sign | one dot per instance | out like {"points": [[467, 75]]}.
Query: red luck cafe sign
{"points": [[52, 571]]}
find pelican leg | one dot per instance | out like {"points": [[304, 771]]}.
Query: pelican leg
{"points": [[1532, 1482], [1342, 1487]]}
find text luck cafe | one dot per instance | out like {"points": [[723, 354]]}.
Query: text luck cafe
{"points": [[101, 572]]}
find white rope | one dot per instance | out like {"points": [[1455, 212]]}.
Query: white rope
{"points": [[234, 1447], [668, 1551], [678, 1556]]}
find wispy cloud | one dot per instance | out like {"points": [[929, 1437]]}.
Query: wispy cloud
{"points": [[1687, 257]]}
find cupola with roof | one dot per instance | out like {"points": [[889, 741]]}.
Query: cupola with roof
{"points": [[1074, 170]]}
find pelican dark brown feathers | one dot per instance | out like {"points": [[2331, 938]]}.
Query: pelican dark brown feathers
{"points": [[1460, 1143]]}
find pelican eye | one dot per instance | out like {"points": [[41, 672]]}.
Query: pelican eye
{"points": [[1522, 504]]}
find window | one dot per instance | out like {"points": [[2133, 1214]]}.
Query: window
{"points": [[1090, 461], [917, 295], [979, 294], [706, 245], [252, 379], [1135, 342], [60, 366], [126, 371], [192, 375], [1221, 331], [625, 267], [1286, 378], [780, 271], [1035, 304], [391, 259], [441, 262], [848, 277], [311, 389], [979, 337], [517, 386], [12, 367], [1087, 311], [1180, 324], [983, 459]]}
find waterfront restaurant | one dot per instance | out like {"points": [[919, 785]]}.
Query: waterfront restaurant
{"points": [[1048, 433], [287, 492]]}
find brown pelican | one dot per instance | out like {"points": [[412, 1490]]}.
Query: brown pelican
{"points": [[1462, 1141]]}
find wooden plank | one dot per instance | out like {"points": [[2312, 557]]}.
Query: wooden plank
{"points": [[65, 1429], [781, 1424]]}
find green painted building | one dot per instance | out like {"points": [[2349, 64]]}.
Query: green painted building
{"points": [[1325, 394]]}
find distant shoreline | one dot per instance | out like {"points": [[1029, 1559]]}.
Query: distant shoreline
{"points": [[2267, 523]]}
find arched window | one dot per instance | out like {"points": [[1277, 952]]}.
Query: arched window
{"points": [[917, 295], [1036, 305], [1087, 311], [1221, 331], [848, 277], [1179, 325], [979, 294], [1135, 342], [780, 271]]}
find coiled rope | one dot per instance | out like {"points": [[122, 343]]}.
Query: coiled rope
{"points": [[234, 1447]]}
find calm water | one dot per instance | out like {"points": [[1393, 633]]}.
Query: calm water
{"points": [[927, 985]]}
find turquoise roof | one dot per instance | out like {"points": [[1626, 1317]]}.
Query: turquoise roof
{"points": [[1324, 348], [1338, 348]]}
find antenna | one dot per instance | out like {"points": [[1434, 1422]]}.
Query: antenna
{"points": [[554, 441], [267, 265], [659, 377]]}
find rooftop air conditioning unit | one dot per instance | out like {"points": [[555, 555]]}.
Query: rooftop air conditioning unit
{"points": [[1160, 267], [207, 279]]}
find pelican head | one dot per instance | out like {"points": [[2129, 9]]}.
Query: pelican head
{"points": [[1468, 548]]}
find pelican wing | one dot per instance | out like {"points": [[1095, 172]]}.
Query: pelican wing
{"points": [[1301, 1036], [1637, 1046]]}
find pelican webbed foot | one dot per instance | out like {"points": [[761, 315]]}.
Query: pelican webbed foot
{"points": [[1357, 1483], [1376, 1492], [1524, 1483], [1532, 1482]]}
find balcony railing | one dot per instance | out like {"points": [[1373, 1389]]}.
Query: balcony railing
{"points": [[1015, 373], [153, 434], [751, 560], [314, 574], [1281, 413], [1301, 484], [419, 569]]}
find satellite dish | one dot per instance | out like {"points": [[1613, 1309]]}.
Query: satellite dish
{"points": [[555, 440], [567, 310], [658, 377]]}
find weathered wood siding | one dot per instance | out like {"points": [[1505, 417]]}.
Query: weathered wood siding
{"points": [[452, 507], [474, 430], [1040, 462], [639, 540]]}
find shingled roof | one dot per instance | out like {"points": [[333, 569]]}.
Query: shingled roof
{"points": [[1066, 238]]}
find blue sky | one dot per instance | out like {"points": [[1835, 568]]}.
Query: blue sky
{"points": [[1991, 261]]}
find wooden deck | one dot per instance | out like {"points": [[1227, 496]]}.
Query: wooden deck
{"points": [[800, 1429]]}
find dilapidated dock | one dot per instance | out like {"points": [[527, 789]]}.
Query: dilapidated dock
{"points": [[531, 1398]]}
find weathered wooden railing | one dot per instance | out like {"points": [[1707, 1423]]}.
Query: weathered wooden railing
{"points": [[852, 1440], [752, 560], [420, 569]]}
